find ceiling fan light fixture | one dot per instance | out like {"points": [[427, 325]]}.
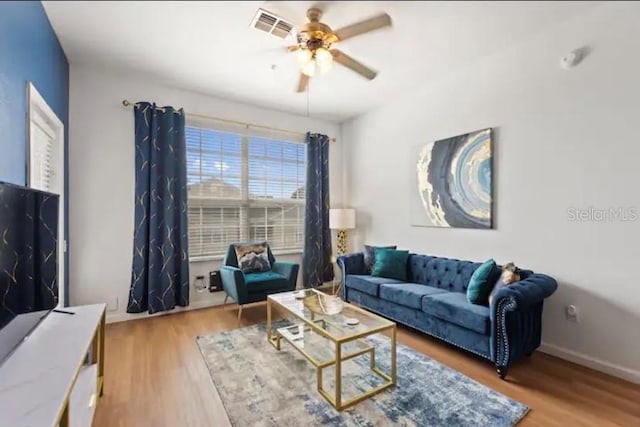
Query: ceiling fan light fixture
{"points": [[315, 61], [309, 68], [303, 56], [323, 55], [323, 67], [324, 58], [315, 38]]}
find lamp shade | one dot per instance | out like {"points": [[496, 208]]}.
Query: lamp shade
{"points": [[342, 219]]}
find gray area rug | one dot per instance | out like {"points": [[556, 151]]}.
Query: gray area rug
{"points": [[260, 386]]}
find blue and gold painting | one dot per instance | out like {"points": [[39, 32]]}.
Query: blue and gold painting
{"points": [[452, 179]]}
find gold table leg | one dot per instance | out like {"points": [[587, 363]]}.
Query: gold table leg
{"points": [[268, 319], [393, 356], [390, 379], [101, 355], [97, 353], [338, 399], [273, 339]]}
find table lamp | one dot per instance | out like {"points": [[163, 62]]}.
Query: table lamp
{"points": [[342, 220]]}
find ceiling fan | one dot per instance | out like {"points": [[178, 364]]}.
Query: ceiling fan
{"points": [[314, 53]]}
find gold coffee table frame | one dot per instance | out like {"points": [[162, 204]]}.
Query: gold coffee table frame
{"points": [[319, 326]]}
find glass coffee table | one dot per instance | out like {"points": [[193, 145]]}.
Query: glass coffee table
{"points": [[328, 340]]}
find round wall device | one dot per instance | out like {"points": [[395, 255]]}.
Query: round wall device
{"points": [[571, 59]]}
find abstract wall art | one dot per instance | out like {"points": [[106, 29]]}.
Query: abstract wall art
{"points": [[452, 182]]}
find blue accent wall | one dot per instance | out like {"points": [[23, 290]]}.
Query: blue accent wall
{"points": [[29, 51]]}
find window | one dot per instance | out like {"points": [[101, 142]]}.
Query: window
{"points": [[244, 186], [46, 164]]}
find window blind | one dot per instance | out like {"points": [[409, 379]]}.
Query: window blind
{"points": [[243, 186], [41, 159]]}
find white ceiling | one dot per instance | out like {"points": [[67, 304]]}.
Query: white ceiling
{"points": [[209, 47]]}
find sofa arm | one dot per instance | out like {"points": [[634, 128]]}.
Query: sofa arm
{"points": [[525, 293], [288, 270], [234, 284], [351, 264], [516, 318]]}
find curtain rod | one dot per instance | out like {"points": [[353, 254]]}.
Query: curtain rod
{"points": [[128, 103]]}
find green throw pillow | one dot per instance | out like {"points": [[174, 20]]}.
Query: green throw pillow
{"points": [[481, 282], [390, 263]]}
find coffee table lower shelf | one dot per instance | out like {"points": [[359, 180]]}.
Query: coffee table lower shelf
{"points": [[317, 350]]}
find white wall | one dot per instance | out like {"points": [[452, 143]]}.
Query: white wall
{"points": [[562, 139], [101, 177]]}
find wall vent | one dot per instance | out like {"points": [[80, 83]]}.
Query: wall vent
{"points": [[272, 24]]}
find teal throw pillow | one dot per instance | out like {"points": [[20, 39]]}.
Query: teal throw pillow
{"points": [[390, 263], [370, 256], [481, 282]]}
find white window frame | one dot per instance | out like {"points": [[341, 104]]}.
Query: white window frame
{"points": [[43, 116], [246, 203]]}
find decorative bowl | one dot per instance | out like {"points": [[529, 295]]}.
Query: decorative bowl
{"points": [[321, 303]]}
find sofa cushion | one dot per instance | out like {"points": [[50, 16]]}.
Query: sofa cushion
{"points": [[449, 274], [367, 284], [407, 294], [265, 281], [454, 307]]}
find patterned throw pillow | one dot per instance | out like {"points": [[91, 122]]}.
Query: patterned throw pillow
{"points": [[253, 258], [510, 274], [370, 256]]}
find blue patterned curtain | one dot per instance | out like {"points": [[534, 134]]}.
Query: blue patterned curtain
{"points": [[160, 273], [316, 259]]}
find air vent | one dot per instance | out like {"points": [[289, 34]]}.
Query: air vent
{"points": [[272, 24]]}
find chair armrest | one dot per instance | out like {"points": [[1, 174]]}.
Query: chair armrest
{"points": [[288, 270], [351, 264], [234, 284], [516, 318]]}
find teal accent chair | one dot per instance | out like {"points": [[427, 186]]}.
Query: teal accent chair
{"points": [[254, 287]]}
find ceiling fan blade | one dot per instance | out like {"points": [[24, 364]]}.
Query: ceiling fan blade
{"points": [[347, 61], [362, 27], [302, 83]]}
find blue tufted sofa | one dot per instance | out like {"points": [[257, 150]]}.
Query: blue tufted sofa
{"points": [[435, 302]]}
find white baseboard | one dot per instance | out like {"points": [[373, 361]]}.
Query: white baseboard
{"points": [[591, 362], [122, 317]]}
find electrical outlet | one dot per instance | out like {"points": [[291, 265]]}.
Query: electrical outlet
{"points": [[571, 313], [199, 284], [112, 304]]}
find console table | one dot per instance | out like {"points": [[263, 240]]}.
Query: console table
{"points": [[56, 375]]}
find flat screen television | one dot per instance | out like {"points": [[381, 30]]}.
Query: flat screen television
{"points": [[28, 262]]}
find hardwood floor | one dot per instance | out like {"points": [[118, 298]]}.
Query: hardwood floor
{"points": [[155, 376]]}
